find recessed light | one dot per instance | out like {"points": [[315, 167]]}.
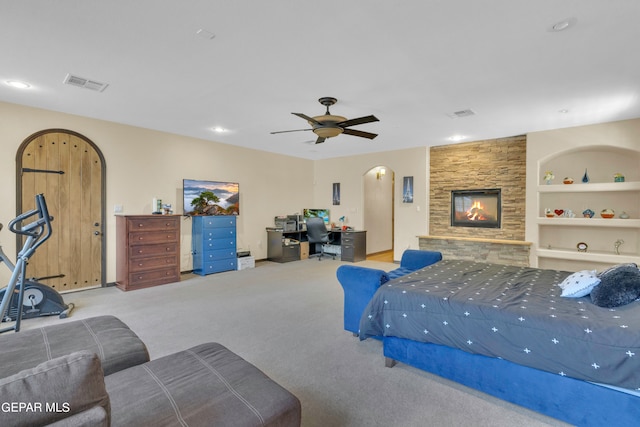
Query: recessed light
{"points": [[563, 111], [457, 138], [219, 129], [565, 24], [18, 84]]}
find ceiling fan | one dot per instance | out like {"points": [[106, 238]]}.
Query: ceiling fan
{"points": [[328, 125]]}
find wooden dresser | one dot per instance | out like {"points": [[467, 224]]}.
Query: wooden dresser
{"points": [[147, 250]]}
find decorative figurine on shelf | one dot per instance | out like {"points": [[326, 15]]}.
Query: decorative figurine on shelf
{"points": [[548, 213], [585, 177], [548, 177], [623, 215], [607, 213], [617, 244], [618, 177], [567, 180], [588, 213]]}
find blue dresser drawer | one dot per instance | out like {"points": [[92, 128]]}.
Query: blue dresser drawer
{"points": [[219, 222], [213, 244], [219, 254], [217, 266], [218, 233]]}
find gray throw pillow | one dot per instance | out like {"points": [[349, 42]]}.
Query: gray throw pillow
{"points": [[618, 287], [55, 390]]}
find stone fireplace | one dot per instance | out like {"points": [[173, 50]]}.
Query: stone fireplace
{"points": [[498, 165]]}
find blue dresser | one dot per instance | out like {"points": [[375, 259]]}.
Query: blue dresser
{"points": [[214, 244]]}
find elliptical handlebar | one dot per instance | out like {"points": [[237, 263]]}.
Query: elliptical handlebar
{"points": [[40, 229]]}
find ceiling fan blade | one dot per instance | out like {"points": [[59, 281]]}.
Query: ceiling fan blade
{"points": [[307, 118], [320, 140], [358, 121], [285, 131], [359, 133]]}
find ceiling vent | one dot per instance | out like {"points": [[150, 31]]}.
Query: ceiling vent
{"points": [[462, 113], [85, 83]]}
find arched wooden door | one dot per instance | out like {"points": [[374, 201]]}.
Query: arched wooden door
{"points": [[69, 170]]}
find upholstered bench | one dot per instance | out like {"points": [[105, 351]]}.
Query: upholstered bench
{"points": [[58, 374], [206, 385], [117, 346]]}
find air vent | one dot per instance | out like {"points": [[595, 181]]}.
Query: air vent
{"points": [[85, 83], [462, 113]]}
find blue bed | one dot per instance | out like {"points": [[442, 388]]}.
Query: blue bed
{"points": [[506, 331]]}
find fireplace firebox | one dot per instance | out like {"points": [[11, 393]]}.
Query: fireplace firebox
{"points": [[476, 208]]}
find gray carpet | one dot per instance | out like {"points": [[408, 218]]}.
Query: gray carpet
{"points": [[287, 320]]}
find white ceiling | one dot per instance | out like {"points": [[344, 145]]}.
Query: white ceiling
{"points": [[411, 63]]}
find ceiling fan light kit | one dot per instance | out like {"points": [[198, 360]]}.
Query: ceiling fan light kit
{"points": [[329, 125]]}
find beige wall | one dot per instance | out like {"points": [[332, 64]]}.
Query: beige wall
{"points": [[410, 219], [142, 164]]}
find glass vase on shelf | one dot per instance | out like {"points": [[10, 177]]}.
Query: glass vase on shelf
{"points": [[548, 177]]}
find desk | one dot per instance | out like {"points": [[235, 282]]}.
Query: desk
{"points": [[282, 246]]}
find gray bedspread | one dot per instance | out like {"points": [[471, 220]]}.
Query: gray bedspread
{"points": [[515, 313]]}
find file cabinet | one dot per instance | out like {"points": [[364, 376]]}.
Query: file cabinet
{"points": [[214, 244]]}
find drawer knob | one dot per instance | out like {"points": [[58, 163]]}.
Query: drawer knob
{"points": [[140, 225]]}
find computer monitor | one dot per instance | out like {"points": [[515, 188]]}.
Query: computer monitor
{"points": [[320, 213]]}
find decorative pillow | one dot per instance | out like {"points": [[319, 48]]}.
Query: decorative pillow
{"points": [[579, 284], [611, 270], [616, 288], [56, 390]]}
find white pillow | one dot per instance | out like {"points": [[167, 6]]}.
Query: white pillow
{"points": [[579, 284]]}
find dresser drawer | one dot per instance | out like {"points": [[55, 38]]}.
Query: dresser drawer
{"points": [[142, 264], [152, 224], [142, 251], [157, 277], [215, 244], [217, 266], [219, 222], [152, 237], [218, 254], [218, 233]]}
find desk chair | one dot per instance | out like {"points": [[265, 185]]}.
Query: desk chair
{"points": [[317, 234]]}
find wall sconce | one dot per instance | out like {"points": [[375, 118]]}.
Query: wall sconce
{"points": [[381, 172]]}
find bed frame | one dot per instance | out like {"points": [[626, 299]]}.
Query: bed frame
{"points": [[574, 401]]}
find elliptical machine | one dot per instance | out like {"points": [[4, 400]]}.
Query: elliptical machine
{"points": [[41, 300]]}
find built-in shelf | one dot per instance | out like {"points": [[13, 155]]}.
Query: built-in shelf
{"points": [[589, 187], [591, 222], [557, 236], [574, 255]]}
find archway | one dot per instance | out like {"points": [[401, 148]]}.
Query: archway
{"points": [[378, 212]]}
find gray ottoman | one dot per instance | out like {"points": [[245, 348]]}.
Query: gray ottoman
{"points": [[207, 385], [117, 346]]}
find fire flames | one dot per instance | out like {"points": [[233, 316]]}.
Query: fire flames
{"points": [[476, 212]]}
